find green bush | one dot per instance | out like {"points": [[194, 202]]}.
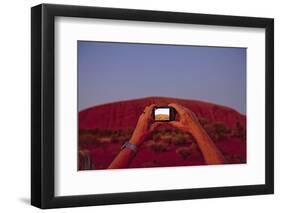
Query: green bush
{"points": [[179, 140], [156, 136], [203, 121], [239, 131], [158, 146], [88, 139], [115, 139], [217, 130], [184, 152]]}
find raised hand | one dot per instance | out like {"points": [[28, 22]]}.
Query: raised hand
{"points": [[143, 130], [144, 126], [188, 122], [187, 119]]}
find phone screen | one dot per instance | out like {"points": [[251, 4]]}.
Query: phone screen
{"points": [[162, 114]]}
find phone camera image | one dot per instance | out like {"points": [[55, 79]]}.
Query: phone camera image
{"points": [[163, 114]]}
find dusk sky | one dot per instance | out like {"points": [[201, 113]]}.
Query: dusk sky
{"points": [[109, 72]]}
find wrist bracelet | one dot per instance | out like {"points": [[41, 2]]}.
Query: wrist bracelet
{"points": [[130, 146]]}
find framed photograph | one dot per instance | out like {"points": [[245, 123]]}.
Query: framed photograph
{"points": [[140, 106]]}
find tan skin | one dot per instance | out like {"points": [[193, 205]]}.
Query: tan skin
{"points": [[187, 122]]}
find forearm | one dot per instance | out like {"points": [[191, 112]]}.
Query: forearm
{"points": [[141, 132], [211, 153], [125, 156], [122, 160]]}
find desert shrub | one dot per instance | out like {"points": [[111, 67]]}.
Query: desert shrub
{"points": [[95, 131], [217, 130], [105, 140], [123, 139], [115, 139], [88, 139], [210, 129], [188, 137], [184, 152], [81, 131], [99, 136], [148, 143], [130, 131], [156, 136], [239, 131], [108, 132], [167, 132], [234, 159], [179, 132], [179, 140], [158, 146], [165, 139], [221, 128], [203, 121], [173, 134], [115, 133]]}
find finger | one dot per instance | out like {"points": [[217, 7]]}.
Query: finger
{"points": [[141, 118], [145, 109], [191, 114], [148, 110], [150, 107], [180, 109]]}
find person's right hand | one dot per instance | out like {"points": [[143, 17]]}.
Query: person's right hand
{"points": [[188, 121]]}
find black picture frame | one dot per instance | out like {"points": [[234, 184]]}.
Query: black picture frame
{"points": [[43, 102]]}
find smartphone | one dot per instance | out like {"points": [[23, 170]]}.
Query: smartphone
{"points": [[164, 113]]}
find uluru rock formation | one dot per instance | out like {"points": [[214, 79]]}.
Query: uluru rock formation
{"points": [[124, 114]]}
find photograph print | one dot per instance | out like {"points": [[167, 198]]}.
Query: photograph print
{"points": [[160, 105]]}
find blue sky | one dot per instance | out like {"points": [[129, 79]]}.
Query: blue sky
{"points": [[109, 72]]}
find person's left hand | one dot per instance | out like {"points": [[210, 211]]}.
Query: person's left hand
{"points": [[144, 127]]}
